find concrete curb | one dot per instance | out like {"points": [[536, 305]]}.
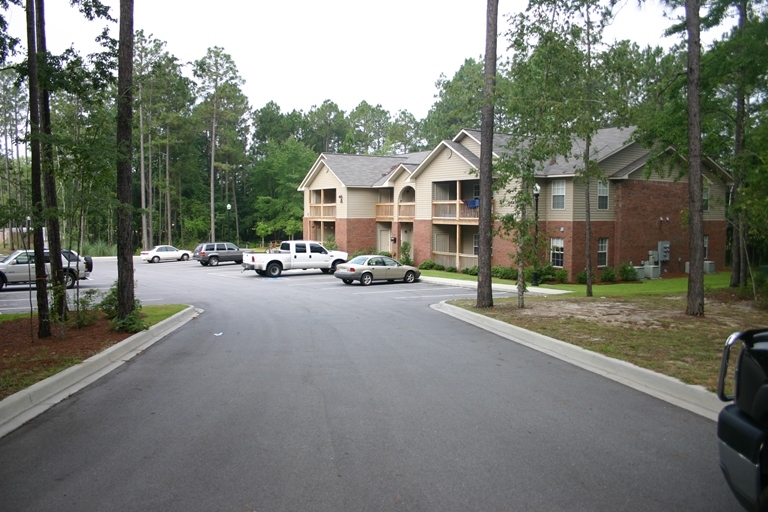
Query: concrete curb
{"points": [[21, 407], [531, 290], [692, 398]]}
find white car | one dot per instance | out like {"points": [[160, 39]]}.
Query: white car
{"points": [[164, 253]]}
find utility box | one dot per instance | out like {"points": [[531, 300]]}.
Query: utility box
{"points": [[709, 267], [663, 247], [652, 271]]}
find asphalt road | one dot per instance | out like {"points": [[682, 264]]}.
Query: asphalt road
{"points": [[305, 394]]}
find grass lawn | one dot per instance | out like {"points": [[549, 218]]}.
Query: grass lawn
{"points": [[643, 323]]}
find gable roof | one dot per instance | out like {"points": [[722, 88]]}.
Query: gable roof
{"points": [[462, 152], [606, 142], [359, 170]]}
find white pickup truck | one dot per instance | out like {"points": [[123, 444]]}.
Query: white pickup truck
{"points": [[292, 255]]}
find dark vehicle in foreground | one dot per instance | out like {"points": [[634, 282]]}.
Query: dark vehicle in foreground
{"points": [[742, 427], [374, 267], [213, 253], [19, 267]]}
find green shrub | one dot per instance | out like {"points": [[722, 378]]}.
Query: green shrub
{"points": [[548, 273], [366, 250], [627, 272], [451, 269], [581, 277], [405, 254], [561, 275], [97, 248], [330, 243], [607, 275], [427, 265], [86, 310], [502, 272], [385, 253], [470, 271], [439, 267], [109, 306]]}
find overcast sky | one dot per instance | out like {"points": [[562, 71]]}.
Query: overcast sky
{"points": [[299, 53]]}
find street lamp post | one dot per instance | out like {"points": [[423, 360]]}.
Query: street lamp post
{"points": [[229, 207], [536, 192]]}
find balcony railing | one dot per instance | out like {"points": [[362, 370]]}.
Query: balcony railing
{"points": [[406, 210], [454, 210], [452, 259], [327, 211], [385, 211]]}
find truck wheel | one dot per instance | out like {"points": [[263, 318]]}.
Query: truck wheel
{"points": [[335, 264], [366, 279], [69, 279], [410, 277], [213, 261], [347, 281], [274, 270]]}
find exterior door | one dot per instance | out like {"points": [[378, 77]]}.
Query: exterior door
{"points": [[384, 244]]}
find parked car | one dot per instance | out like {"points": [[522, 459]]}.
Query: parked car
{"points": [[373, 267], [164, 253], [742, 427], [294, 255], [19, 267], [213, 253]]}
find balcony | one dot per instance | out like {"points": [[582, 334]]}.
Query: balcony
{"points": [[406, 211], [385, 211], [452, 259], [456, 211], [322, 211]]}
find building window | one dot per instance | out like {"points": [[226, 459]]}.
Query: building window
{"points": [[476, 244], [602, 195], [705, 199], [557, 250], [558, 195], [476, 190], [706, 246], [602, 252]]}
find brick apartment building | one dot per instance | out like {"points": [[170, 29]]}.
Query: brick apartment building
{"points": [[430, 199]]}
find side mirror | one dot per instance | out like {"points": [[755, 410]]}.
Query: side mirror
{"points": [[729, 343]]}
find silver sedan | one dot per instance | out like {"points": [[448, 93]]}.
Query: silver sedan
{"points": [[164, 253], [373, 267]]}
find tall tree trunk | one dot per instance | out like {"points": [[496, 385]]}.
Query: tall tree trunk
{"points": [[142, 171], [125, 291], [168, 184], [738, 258], [49, 179], [213, 165], [484, 283], [695, 306], [237, 221], [41, 283]]}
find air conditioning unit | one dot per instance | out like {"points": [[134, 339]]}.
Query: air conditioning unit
{"points": [[709, 267]]}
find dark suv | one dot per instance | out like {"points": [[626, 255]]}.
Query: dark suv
{"points": [[213, 253]]}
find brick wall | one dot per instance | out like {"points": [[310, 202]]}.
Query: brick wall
{"points": [[353, 235], [422, 241]]}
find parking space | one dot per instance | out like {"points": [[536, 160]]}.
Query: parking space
{"points": [[189, 282]]}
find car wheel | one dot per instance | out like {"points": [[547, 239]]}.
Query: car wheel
{"points": [[88, 263], [347, 281], [156, 259], [184, 257], [2, 283], [274, 270], [410, 277], [366, 279], [213, 261], [204, 263], [69, 279]]}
